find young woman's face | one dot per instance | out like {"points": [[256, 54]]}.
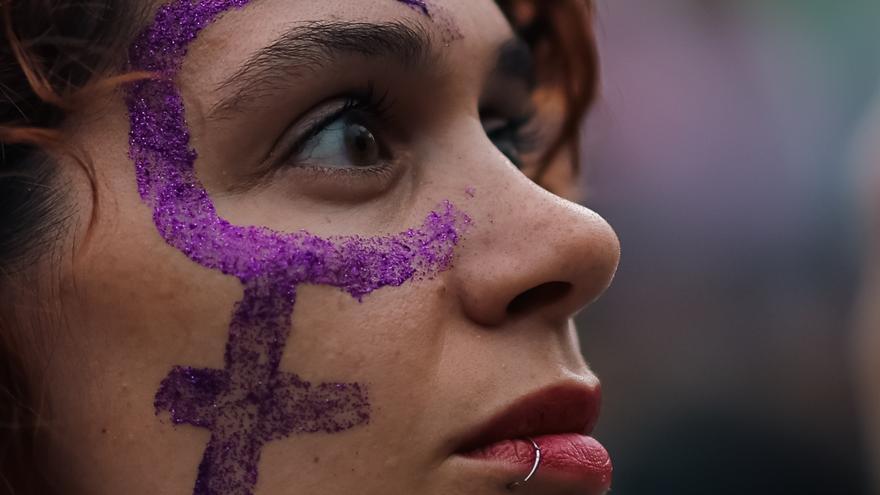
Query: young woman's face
{"points": [[341, 118]]}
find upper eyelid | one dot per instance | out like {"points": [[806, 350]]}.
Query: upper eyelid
{"points": [[321, 116], [315, 124], [317, 119], [271, 162], [308, 123]]}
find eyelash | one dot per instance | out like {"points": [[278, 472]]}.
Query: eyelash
{"points": [[521, 131], [371, 107], [374, 110], [365, 102]]}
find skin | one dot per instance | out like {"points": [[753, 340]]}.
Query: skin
{"points": [[439, 355]]}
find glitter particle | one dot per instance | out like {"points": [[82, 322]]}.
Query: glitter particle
{"points": [[420, 5]]}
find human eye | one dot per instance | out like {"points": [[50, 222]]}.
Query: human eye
{"points": [[515, 137], [344, 143], [344, 135]]}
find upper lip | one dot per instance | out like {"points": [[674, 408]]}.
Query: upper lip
{"points": [[565, 408]]}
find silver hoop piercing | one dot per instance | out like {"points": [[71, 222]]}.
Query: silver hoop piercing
{"points": [[535, 466]]}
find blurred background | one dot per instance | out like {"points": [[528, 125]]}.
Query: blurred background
{"points": [[722, 153]]}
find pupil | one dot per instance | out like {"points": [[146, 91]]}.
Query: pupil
{"points": [[363, 150]]}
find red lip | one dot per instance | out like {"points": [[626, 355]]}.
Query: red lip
{"points": [[558, 419]]}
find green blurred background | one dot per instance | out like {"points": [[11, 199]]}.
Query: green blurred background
{"points": [[721, 152]]}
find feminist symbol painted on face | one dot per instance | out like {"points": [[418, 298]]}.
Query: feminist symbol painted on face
{"points": [[251, 401]]}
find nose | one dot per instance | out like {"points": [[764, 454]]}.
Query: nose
{"points": [[532, 254]]}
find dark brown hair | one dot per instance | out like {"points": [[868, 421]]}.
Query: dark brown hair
{"points": [[54, 53]]}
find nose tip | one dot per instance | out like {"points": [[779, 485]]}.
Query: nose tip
{"points": [[596, 257], [548, 257]]}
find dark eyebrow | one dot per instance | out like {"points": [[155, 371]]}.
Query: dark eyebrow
{"points": [[516, 61], [311, 46]]}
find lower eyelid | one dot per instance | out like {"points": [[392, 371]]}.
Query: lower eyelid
{"points": [[377, 171], [337, 185]]}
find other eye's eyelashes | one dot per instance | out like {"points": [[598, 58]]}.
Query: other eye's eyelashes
{"points": [[514, 137]]}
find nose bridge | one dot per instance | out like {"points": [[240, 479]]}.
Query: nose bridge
{"points": [[532, 252]]}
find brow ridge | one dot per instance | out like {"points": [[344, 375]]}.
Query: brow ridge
{"points": [[308, 47]]}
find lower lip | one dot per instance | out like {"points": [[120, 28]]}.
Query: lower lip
{"points": [[569, 457]]}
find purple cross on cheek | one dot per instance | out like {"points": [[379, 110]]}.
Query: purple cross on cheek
{"points": [[251, 401]]}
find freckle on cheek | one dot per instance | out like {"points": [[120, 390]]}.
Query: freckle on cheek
{"points": [[251, 401]]}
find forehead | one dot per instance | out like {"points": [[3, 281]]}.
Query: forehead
{"points": [[459, 28]]}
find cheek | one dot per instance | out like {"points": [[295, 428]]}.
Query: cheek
{"points": [[135, 308], [393, 343], [387, 341]]}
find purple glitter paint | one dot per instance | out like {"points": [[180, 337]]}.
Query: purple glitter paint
{"points": [[420, 5], [251, 401]]}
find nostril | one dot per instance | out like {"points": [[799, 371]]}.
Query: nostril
{"points": [[536, 297]]}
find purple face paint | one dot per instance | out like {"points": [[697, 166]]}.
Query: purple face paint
{"points": [[251, 401], [420, 5]]}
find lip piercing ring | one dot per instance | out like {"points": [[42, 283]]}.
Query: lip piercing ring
{"points": [[535, 466]]}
